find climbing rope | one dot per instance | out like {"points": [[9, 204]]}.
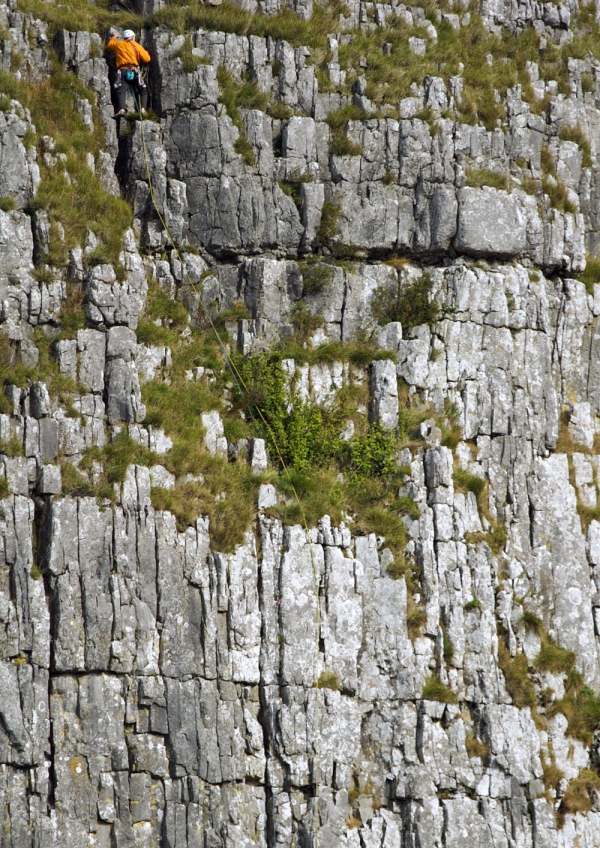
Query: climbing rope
{"points": [[239, 381]]}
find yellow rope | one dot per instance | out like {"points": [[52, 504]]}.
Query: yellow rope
{"points": [[241, 384]]}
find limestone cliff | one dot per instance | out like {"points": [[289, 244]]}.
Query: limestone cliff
{"points": [[416, 670]]}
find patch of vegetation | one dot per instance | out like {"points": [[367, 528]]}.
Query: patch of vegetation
{"points": [[554, 658], [338, 121], [78, 203], [478, 177], [474, 604], [580, 794], [189, 61], [7, 204], [558, 195], [280, 111], [12, 447], [328, 226], [476, 748], [516, 675], [316, 275], [435, 690], [114, 459], [577, 135], [72, 315], [304, 322], [329, 680], [416, 616], [466, 482], [581, 708], [448, 647], [552, 777], [327, 473], [233, 96], [4, 491], [591, 275], [227, 495], [14, 372], [532, 623], [411, 304], [74, 482], [530, 186], [292, 187]]}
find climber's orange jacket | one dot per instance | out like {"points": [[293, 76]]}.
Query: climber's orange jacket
{"points": [[128, 52]]}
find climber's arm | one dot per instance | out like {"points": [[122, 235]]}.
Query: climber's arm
{"points": [[143, 54], [112, 41]]}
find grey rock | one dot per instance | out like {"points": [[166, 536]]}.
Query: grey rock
{"points": [[490, 223], [384, 394], [49, 480], [258, 456], [214, 440]]}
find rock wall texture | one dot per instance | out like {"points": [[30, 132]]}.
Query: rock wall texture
{"points": [[155, 691]]}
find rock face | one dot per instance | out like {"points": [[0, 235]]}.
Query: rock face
{"points": [[310, 688]]}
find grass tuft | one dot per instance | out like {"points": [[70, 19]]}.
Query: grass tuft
{"points": [[329, 680], [477, 177], [516, 675], [476, 748], [591, 275], [580, 795], [328, 226], [189, 61], [554, 658], [7, 204], [577, 135], [580, 706], [435, 690]]}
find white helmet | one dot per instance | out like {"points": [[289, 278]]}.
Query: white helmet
{"points": [[128, 34]]}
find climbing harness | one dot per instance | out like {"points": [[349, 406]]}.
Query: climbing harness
{"points": [[239, 381]]}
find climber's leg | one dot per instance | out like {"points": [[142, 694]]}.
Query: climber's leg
{"points": [[141, 95], [122, 98]]}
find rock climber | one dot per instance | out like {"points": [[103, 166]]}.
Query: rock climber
{"points": [[128, 56]]}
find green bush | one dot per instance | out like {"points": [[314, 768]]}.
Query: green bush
{"points": [[315, 276], [373, 454], [411, 304]]}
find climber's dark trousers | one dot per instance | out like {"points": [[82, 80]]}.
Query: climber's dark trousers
{"points": [[139, 94]]}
